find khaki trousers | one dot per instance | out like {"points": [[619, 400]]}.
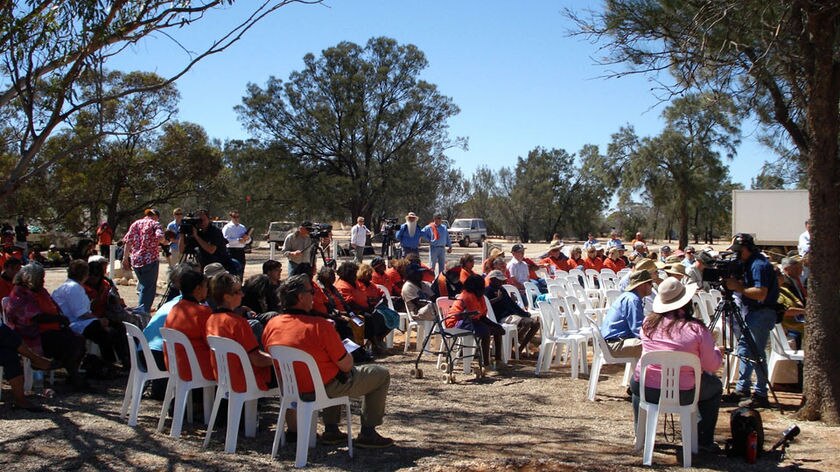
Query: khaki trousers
{"points": [[368, 381]]}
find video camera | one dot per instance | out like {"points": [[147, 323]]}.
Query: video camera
{"points": [[728, 267], [320, 230], [189, 222], [391, 225]]}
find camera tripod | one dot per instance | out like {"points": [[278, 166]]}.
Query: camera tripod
{"points": [[727, 312], [190, 254]]}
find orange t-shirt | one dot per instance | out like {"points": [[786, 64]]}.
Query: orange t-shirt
{"points": [[428, 274], [575, 263], [464, 274], [190, 318], [593, 263], [614, 264], [396, 281], [372, 293], [5, 287], [559, 264], [466, 302], [353, 297], [319, 302], [314, 335], [230, 325], [384, 280]]}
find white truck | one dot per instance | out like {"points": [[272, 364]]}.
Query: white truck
{"points": [[773, 217]]}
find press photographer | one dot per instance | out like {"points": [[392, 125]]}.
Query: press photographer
{"points": [[758, 290], [198, 233], [299, 246]]}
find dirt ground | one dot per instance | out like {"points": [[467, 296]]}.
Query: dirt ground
{"points": [[510, 420]]}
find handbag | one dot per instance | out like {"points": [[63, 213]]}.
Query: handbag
{"points": [[392, 318]]}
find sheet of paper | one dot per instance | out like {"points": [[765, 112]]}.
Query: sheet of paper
{"points": [[350, 346]]}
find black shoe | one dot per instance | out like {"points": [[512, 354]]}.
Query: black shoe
{"points": [[756, 401], [713, 448], [735, 397]]}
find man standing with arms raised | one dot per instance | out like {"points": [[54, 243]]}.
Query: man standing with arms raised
{"points": [[358, 238], [440, 244]]}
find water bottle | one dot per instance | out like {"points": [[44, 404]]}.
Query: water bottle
{"points": [[752, 447]]}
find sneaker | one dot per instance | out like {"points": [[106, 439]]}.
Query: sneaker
{"points": [[373, 441], [713, 448], [756, 401], [333, 437]]}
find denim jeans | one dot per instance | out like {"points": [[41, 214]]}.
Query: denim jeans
{"points": [[437, 258], [147, 285], [760, 322], [708, 404]]}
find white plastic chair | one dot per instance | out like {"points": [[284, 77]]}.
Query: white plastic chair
{"points": [[510, 341], [610, 296], [602, 357], [222, 347], [180, 390], [557, 288], [620, 274], [307, 420], [593, 279], [407, 323], [558, 337], [671, 362], [137, 378], [781, 351], [531, 293], [404, 321], [515, 295]]}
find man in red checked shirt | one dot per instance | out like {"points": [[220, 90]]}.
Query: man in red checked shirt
{"points": [[142, 251]]}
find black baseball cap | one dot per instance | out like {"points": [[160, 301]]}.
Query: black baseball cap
{"points": [[306, 224]]}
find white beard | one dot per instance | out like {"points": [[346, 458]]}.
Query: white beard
{"points": [[411, 226]]}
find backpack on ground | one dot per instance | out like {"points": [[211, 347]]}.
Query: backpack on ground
{"points": [[742, 422]]}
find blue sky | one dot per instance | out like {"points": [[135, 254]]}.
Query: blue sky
{"points": [[511, 67]]}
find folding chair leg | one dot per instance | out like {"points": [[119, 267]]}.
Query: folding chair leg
{"points": [[167, 399]]}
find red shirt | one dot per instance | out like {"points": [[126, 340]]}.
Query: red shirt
{"points": [[396, 281], [558, 263], [593, 263], [353, 297], [614, 264], [106, 235], [466, 302], [372, 293], [385, 281], [230, 325], [5, 287], [191, 318], [98, 297], [312, 334], [144, 235], [464, 274], [319, 302]]}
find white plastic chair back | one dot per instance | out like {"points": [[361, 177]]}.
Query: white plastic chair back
{"points": [[180, 389], [3, 304], [531, 293], [137, 378], [671, 363], [443, 305], [620, 274], [285, 358], [541, 273], [387, 293], [405, 317], [560, 274], [515, 295], [608, 272], [223, 349], [593, 278], [556, 289], [510, 341], [579, 275], [609, 282], [611, 296]]}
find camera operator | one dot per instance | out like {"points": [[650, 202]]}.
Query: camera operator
{"points": [[409, 235], [298, 246], [758, 290], [211, 244]]}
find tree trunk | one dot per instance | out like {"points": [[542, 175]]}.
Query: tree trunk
{"points": [[683, 214], [822, 363]]}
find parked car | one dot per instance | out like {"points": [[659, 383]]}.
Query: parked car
{"points": [[277, 231], [468, 230], [221, 224]]}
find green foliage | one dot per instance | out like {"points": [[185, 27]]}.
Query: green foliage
{"points": [[361, 117]]}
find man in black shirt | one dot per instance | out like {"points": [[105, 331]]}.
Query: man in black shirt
{"points": [[212, 245]]}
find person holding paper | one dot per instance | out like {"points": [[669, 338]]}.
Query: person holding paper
{"points": [[297, 328]]}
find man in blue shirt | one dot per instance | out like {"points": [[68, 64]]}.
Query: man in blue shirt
{"points": [[439, 244], [758, 291], [409, 235], [624, 319]]}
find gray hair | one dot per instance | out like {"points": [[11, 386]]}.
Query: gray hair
{"points": [[29, 275], [789, 262], [290, 290]]}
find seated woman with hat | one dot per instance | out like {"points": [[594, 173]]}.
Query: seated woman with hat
{"points": [[556, 260], [672, 327]]}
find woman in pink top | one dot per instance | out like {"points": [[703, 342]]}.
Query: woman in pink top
{"points": [[671, 327]]}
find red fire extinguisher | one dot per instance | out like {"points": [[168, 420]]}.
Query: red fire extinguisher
{"points": [[752, 447]]}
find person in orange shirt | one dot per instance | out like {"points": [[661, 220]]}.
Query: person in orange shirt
{"points": [[379, 276], [227, 323], [397, 275], [487, 265], [556, 260], [105, 235], [614, 262], [356, 300], [576, 260], [467, 263], [428, 274], [190, 316], [364, 281], [472, 300], [315, 336]]}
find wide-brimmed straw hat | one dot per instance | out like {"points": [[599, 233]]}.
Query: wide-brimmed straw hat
{"points": [[638, 278], [411, 215], [673, 294], [645, 264], [556, 244], [496, 252], [676, 269]]}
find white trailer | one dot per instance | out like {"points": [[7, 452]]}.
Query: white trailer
{"points": [[773, 217]]}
